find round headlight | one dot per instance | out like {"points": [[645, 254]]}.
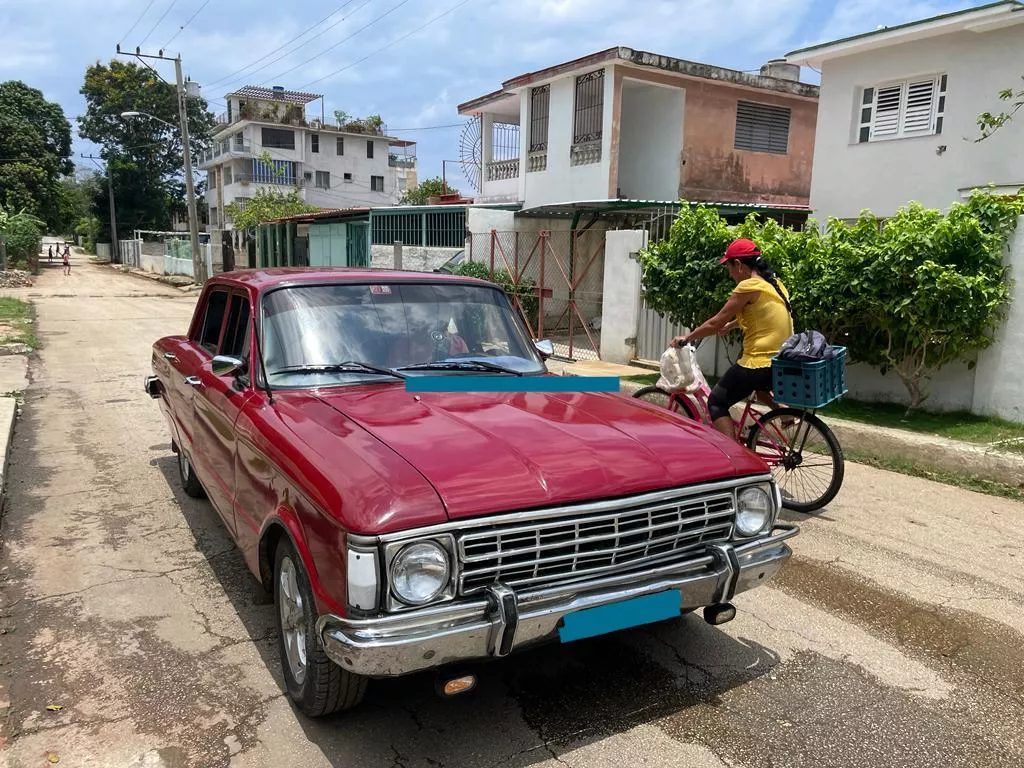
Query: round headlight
{"points": [[419, 573], [753, 511]]}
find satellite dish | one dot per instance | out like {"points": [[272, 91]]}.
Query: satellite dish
{"points": [[471, 152]]}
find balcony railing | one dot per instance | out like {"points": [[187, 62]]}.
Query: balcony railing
{"points": [[285, 181], [399, 161], [230, 147], [503, 170]]}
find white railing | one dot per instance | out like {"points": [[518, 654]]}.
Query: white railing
{"points": [[503, 170], [130, 252]]}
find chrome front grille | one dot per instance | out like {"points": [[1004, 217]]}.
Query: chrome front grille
{"points": [[572, 546]]}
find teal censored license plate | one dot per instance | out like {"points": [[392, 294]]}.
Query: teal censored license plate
{"points": [[591, 622]]}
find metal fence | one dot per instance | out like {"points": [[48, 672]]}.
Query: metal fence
{"points": [[654, 332], [556, 279]]}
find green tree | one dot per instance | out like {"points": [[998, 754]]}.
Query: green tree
{"points": [[922, 291], [266, 205], [144, 156], [426, 189], [524, 295], [21, 236], [989, 123], [35, 150], [76, 196]]}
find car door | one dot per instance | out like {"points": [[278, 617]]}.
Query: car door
{"points": [[186, 359], [218, 399]]}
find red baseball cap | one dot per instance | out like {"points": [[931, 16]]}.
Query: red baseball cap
{"points": [[740, 249]]}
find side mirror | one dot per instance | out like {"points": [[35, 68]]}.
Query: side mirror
{"points": [[224, 365], [545, 348]]}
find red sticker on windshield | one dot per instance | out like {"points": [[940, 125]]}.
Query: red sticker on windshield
{"points": [[380, 289]]}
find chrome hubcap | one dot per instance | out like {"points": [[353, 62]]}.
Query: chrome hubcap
{"points": [[292, 611]]}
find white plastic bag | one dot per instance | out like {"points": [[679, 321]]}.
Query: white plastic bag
{"points": [[680, 370]]}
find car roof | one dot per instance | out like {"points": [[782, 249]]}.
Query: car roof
{"points": [[265, 278]]}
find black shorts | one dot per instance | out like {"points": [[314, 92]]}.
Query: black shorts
{"points": [[737, 384]]}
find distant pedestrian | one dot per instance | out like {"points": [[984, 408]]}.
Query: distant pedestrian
{"points": [[50, 252], [67, 261]]}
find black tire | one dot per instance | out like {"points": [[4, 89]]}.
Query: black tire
{"points": [[819, 484], [189, 482], [661, 397], [325, 688]]}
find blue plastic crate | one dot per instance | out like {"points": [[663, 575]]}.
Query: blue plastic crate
{"points": [[810, 385]]}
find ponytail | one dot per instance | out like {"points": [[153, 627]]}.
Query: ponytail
{"points": [[764, 269]]}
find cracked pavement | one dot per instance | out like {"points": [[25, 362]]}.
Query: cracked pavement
{"points": [[893, 638]]}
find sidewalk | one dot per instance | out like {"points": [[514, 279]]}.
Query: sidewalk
{"points": [[181, 282], [929, 452]]}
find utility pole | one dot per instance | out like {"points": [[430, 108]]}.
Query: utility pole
{"points": [[198, 262], [115, 251]]}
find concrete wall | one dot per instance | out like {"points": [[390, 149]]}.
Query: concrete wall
{"points": [[885, 175], [715, 170], [999, 385], [413, 258], [620, 310], [650, 141], [563, 181], [951, 388]]}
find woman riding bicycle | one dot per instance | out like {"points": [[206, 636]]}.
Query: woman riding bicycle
{"points": [[759, 305]]}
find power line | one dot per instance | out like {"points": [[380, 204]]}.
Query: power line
{"points": [[384, 47], [157, 22], [132, 29], [286, 54], [425, 128], [228, 78], [182, 27], [343, 40]]}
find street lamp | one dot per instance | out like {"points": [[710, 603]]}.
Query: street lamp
{"points": [[198, 262]]}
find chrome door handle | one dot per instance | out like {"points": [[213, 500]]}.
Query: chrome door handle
{"points": [[193, 381], [169, 356]]}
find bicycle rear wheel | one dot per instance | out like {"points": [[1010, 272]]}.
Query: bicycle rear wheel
{"points": [[805, 457], [665, 399]]}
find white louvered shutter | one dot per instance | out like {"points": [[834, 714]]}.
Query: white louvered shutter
{"points": [[917, 118], [887, 112]]}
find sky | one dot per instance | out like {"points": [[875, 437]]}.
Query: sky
{"points": [[411, 61]]}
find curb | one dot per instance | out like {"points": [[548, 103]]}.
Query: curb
{"points": [[162, 279], [8, 415]]}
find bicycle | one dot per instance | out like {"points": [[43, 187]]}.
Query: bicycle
{"points": [[781, 436]]}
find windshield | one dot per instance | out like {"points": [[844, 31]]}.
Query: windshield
{"points": [[390, 326]]}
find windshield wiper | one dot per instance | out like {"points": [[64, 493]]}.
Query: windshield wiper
{"points": [[460, 365], [349, 366]]}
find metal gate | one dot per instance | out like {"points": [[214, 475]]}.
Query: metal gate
{"points": [[654, 332], [555, 279]]}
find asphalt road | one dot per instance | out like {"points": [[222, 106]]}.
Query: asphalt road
{"points": [[893, 638]]}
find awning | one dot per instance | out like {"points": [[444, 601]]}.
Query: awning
{"points": [[576, 208]]}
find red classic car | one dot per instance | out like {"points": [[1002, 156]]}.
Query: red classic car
{"points": [[402, 531]]}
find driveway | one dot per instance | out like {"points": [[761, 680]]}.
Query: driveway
{"points": [[893, 638]]}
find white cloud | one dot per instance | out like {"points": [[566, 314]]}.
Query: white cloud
{"points": [[18, 54]]}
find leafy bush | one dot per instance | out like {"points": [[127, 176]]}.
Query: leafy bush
{"points": [[912, 294], [22, 236], [88, 228]]}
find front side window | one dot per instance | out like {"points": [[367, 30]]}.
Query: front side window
{"points": [[236, 335], [323, 180], [902, 109], [762, 127], [339, 145], [369, 149], [314, 142], [589, 107], [213, 320], [377, 183], [390, 325], [278, 138]]}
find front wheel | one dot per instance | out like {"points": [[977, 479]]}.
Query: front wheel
{"points": [[804, 456], [189, 482], [664, 399], [315, 683]]}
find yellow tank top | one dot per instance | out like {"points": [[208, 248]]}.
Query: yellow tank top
{"points": [[766, 323]]}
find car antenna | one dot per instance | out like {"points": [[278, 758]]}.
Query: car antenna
{"points": [[263, 364]]}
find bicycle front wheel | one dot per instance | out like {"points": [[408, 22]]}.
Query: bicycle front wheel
{"points": [[663, 398], [804, 456]]}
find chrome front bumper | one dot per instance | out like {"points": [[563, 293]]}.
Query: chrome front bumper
{"points": [[506, 621]]}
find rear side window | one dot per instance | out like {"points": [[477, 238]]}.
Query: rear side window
{"points": [[213, 320], [236, 337]]}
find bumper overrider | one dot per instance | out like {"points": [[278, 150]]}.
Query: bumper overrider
{"points": [[503, 620]]}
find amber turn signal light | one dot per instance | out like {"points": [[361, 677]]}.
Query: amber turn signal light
{"points": [[459, 685]]}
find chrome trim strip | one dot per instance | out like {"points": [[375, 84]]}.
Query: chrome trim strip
{"points": [[570, 509]]}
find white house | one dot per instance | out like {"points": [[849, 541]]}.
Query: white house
{"points": [[898, 109], [332, 166]]}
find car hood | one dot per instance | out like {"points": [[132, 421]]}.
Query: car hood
{"points": [[492, 452]]}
